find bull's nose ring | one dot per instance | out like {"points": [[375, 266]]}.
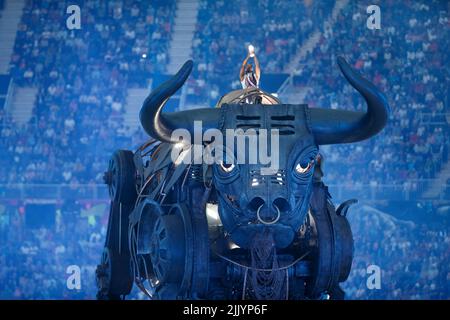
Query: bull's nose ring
{"points": [[268, 222]]}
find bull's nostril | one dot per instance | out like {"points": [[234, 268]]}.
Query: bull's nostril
{"points": [[282, 204], [255, 203]]}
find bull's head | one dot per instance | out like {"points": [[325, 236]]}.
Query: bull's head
{"points": [[248, 200]]}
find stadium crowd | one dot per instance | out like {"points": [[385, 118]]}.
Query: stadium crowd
{"points": [[82, 80], [34, 261], [413, 259]]}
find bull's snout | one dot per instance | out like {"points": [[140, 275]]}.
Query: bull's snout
{"points": [[268, 213]]}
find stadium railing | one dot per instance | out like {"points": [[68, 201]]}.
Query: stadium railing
{"points": [[411, 190]]}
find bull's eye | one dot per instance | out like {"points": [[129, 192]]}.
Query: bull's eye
{"points": [[302, 168], [226, 167]]}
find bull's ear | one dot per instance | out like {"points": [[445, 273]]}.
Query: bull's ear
{"points": [[342, 126], [161, 125]]}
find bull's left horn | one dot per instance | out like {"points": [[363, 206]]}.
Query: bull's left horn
{"points": [[161, 125], [331, 126]]}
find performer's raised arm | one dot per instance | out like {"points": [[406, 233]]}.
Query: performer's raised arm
{"points": [[244, 64]]}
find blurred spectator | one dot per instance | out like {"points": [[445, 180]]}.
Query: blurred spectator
{"points": [[414, 259]]}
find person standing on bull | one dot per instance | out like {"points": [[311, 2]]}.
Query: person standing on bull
{"points": [[247, 76]]}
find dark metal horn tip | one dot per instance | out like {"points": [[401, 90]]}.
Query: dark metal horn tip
{"points": [[362, 84], [184, 71], [343, 126]]}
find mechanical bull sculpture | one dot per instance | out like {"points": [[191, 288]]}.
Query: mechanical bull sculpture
{"points": [[183, 230]]}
